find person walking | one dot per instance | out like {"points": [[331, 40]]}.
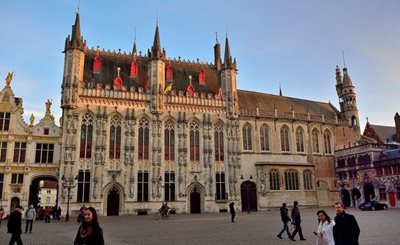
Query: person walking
{"points": [[89, 232], [58, 213], [296, 221], [285, 219], [14, 225], [30, 215], [232, 211], [346, 230], [324, 231]]}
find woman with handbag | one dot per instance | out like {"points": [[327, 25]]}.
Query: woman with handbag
{"points": [[89, 232]]}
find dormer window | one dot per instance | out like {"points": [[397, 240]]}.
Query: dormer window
{"points": [[134, 68], [169, 73], [202, 77], [97, 64]]}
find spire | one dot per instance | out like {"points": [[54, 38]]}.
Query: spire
{"points": [[228, 57], [156, 49], [76, 40], [280, 90], [134, 50], [346, 78]]}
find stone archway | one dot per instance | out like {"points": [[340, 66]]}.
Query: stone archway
{"points": [[196, 198], [345, 198], [44, 182], [369, 192], [355, 196]]}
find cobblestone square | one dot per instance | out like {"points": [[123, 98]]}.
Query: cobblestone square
{"points": [[378, 227]]}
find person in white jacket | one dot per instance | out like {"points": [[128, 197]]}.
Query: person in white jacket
{"points": [[324, 232]]}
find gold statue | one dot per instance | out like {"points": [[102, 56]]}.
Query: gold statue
{"points": [[48, 105], [9, 78], [31, 120]]}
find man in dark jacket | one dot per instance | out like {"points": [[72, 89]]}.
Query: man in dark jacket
{"points": [[346, 230], [232, 211], [296, 220], [14, 225], [285, 219]]}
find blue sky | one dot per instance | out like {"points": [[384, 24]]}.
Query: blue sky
{"points": [[294, 43]]}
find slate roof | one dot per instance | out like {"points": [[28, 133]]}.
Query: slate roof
{"points": [[385, 133], [181, 72], [249, 100]]}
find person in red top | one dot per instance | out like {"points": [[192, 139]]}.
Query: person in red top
{"points": [[1, 214]]}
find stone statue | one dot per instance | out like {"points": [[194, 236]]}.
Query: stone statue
{"points": [[48, 105], [31, 120], [9, 78]]}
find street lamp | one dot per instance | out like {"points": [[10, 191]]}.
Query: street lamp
{"points": [[68, 184]]}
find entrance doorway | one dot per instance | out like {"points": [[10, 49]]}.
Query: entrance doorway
{"points": [[248, 193], [113, 202], [392, 199], [345, 198], [195, 201], [369, 193]]}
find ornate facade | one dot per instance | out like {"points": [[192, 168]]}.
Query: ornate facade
{"points": [[142, 129], [28, 152]]}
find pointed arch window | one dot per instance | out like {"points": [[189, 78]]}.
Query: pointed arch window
{"points": [[86, 136], [202, 77], [307, 176], [327, 142], [169, 141], [274, 180], [247, 140], [315, 140], [115, 138], [169, 73], [300, 139], [291, 179], [285, 145], [264, 138], [143, 139], [134, 68], [194, 142], [219, 142], [97, 64]]}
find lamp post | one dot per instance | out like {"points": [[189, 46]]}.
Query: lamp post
{"points": [[68, 184]]}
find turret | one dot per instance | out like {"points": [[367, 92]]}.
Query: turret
{"points": [[347, 97], [74, 63], [397, 124], [217, 56], [156, 73]]}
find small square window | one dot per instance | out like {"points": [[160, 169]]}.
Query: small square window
{"points": [[46, 131]]}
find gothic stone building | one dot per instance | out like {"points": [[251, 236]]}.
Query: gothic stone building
{"points": [[139, 130], [28, 152]]}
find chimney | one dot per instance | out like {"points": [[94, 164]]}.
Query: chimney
{"points": [[397, 123]]}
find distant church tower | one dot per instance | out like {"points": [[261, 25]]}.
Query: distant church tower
{"points": [[347, 97]]}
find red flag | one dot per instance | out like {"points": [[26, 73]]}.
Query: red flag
{"points": [[119, 83], [219, 94], [190, 89]]}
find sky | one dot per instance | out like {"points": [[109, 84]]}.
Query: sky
{"points": [[287, 43]]}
